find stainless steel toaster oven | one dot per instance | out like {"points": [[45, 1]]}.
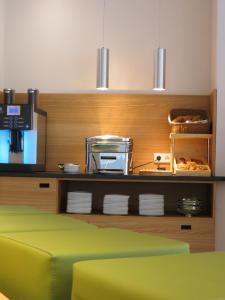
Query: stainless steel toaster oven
{"points": [[109, 154]]}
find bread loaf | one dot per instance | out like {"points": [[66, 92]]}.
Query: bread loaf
{"points": [[187, 118]]}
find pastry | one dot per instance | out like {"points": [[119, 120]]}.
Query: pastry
{"points": [[182, 160], [197, 161], [188, 119], [191, 165]]}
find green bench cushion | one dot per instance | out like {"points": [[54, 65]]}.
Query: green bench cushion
{"points": [[18, 223], [49, 258], [20, 210], [181, 277]]}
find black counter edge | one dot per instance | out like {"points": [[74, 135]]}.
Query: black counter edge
{"points": [[62, 175]]}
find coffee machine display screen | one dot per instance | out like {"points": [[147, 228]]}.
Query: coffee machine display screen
{"points": [[13, 110]]}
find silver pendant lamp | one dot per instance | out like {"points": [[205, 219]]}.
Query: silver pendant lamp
{"points": [[160, 70], [103, 60], [159, 62]]}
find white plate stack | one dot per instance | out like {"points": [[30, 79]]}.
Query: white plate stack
{"points": [[79, 202], [115, 204], [151, 204]]}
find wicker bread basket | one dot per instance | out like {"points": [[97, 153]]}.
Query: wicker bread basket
{"points": [[190, 127]]}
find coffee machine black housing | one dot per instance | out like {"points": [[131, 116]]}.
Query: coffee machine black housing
{"points": [[22, 134]]}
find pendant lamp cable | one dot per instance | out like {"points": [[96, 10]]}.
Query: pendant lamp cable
{"points": [[160, 57], [103, 58], [159, 24], [103, 23]]}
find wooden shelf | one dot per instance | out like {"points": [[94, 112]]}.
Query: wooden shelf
{"points": [[183, 136], [190, 136], [130, 216]]}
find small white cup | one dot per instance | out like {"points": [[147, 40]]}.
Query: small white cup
{"points": [[71, 168]]}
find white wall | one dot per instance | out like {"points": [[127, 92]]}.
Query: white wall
{"points": [[214, 27], [220, 145], [51, 44], [1, 43]]}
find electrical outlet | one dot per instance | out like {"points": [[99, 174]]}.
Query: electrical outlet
{"points": [[164, 158]]}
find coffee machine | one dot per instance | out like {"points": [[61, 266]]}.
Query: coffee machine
{"points": [[109, 154], [22, 133]]}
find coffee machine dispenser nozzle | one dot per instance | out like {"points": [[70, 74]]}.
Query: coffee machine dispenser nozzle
{"points": [[9, 96], [32, 95]]}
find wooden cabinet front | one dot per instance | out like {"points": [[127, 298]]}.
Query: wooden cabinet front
{"points": [[198, 232], [38, 192], [50, 194]]}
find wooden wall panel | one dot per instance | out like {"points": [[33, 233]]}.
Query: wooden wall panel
{"points": [[72, 117]]}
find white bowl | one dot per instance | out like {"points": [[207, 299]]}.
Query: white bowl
{"points": [[71, 168]]}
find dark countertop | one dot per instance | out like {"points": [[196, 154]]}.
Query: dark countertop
{"points": [[116, 177]]}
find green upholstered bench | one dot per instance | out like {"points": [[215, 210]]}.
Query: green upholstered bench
{"points": [[20, 210], [180, 277], [42, 222], [39, 265]]}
